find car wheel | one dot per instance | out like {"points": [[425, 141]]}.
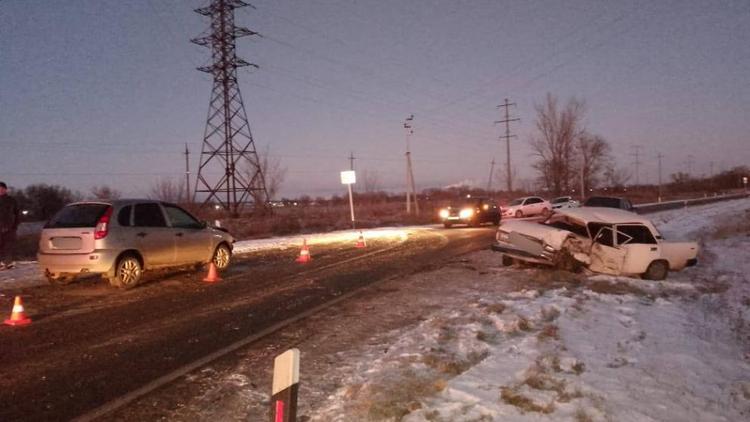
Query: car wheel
{"points": [[447, 225], [128, 272], [222, 256], [657, 270], [507, 261], [519, 214]]}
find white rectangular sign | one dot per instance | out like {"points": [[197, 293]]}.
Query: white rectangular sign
{"points": [[348, 177]]}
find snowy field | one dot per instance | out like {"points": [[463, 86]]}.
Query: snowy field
{"points": [[475, 341]]}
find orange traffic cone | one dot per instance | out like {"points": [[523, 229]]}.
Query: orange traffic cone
{"points": [[361, 241], [304, 253], [17, 315], [213, 274]]}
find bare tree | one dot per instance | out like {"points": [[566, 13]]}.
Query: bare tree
{"points": [[592, 157], [502, 176], [616, 177], [273, 173], [105, 192], [554, 144], [370, 181], [169, 190]]}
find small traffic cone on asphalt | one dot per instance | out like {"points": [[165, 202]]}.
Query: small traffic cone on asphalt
{"points": [[304, 253], [18, 315], [361, 241], [213, 274]]}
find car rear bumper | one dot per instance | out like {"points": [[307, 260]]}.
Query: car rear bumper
{"points": [[100, 261]]}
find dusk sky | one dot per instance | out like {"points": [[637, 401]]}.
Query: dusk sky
{"points": [[106, 92]]}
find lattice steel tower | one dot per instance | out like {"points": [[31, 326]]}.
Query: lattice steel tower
{"points": [[229, 171]]}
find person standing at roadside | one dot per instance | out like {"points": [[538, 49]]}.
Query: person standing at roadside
{"points": [[10, 218]]}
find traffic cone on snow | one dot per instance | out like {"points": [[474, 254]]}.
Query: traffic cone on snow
{"points": [[304, 253], [18, 315], [213, 274], [361, 241]]}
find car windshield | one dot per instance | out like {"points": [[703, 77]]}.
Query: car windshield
{"points": [[79, 215], [516, 202], [560, 200]]}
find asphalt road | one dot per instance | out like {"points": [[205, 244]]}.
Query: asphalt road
{"points": [[90, 344]]}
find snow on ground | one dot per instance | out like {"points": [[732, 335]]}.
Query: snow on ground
{"points": [[610, 348]]}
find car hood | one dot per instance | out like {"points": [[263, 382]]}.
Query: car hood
{"points": [[549, 235]]}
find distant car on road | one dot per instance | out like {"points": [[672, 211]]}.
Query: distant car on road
{"points": [[563, 202], [526, 207], [609, 202], [604, 240], [471, 211], [120, 239]]}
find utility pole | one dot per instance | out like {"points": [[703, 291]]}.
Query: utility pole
{"points": [[351, 160], [637, 156], [411, 191], [187, 174], [583, 171], [659, 157], [690, 161], [229, 171], [507, 137], [492, 169]]}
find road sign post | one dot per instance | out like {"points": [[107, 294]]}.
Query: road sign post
{"points": [[348, 178], [285, 386]]}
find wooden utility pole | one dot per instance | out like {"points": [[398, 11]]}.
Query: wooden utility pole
{"points": [[411, 190], [492, 170], [637, 156], [507, 120], [659, 157], [187, 173], [351, 160]]}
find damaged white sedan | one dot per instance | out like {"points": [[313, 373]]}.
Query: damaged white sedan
{"points": [[604, 240]]}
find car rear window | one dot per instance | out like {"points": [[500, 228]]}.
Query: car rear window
{"points": [[78, 215], [603, 202]]}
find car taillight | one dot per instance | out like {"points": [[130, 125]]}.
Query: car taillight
{"points": [[102, 226]]}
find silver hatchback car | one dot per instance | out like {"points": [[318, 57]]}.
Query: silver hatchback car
{"points": [[120, 239]]}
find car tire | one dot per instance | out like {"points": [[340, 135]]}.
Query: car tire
{"points": [[657, 270], [519, 214], [222, 256], [507, 261], [447, 225], [128, 272]]}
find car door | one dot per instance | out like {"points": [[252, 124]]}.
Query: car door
{"points": [[605, 256], [193, 242], [153, 237], [641, 246]]}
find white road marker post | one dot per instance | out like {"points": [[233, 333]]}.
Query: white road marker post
{"points": [[349, 178], [285, 387]]}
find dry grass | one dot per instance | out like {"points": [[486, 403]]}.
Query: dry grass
{"points": [[524, 404], [549, 332], [582, 416], [495, 308]]}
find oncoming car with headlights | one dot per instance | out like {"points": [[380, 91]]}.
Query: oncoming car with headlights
{"points": [[472, 212]]}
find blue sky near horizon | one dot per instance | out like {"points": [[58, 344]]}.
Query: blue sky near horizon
{"points": [[106, 92]]}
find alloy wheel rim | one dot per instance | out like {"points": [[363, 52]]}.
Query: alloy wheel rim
{"points": [[130, 271], [222, 258]]}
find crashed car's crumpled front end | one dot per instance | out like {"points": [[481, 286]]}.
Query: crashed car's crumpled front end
{"points": [[530, 241]]}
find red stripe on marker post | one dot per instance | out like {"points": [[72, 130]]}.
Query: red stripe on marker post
{"points": [[285, 386]]}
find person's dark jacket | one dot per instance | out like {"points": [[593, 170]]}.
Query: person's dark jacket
{"points": [[10, 215]]}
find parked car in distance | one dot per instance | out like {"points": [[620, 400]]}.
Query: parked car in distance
{"points": [[526, 207], [121, 239], [605, 240], [562, 202], [471, 211], [609, 202]]}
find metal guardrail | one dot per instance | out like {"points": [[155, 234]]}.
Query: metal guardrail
{"points": [[684, 203]]}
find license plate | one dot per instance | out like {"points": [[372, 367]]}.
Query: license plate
{"points": [[66, 243]]}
